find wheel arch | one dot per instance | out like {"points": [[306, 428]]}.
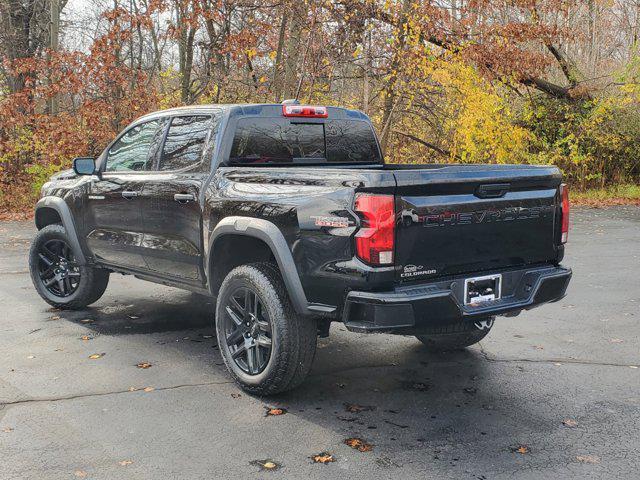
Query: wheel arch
{"points": [[54, 210], [267, 242]]}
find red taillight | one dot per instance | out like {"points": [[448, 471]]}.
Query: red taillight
{"points": [[375, 239], [309, 111], [564, 196]]}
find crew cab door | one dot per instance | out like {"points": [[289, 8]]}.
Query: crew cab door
{"points": [[170, 200], [113, 223]]}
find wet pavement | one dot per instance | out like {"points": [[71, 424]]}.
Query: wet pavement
{"points": [[553, 392]]}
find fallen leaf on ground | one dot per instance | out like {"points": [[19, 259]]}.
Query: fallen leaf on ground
{"points": [[97, 355], [569, 423], [358, 444], [588, 458], [80, 473], [54, 317], [274, 411], [235, 395], [522, 449], [124, 463], [148, 389], [7, 429], [323, 457], [143, 365], [355, 408], [86, 337], [132, 389], [265, 464]]}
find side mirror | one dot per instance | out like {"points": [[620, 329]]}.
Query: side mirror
{"points": [[84, 166]]}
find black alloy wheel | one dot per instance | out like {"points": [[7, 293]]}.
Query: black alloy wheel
{"points": [[247, 329], [57, 268]]}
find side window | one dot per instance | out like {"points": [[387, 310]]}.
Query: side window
{"points": [[135, 149], [185, 141]]}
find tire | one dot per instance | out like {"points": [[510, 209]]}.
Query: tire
{"points": [[291, 337], [85, 284], [457, 336]]}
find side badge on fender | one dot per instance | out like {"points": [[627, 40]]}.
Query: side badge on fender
{"points": [[333, 222]]}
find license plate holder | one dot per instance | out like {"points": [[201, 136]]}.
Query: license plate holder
{"points": [[482, 290]]}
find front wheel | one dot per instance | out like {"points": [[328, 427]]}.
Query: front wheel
{"points": [[55, 273], [458, 336], [267, 347]]}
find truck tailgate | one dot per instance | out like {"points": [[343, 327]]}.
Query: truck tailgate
{"points": [[463, 219]]}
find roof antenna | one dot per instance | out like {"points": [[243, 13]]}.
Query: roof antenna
{"points": [[291, 101]]}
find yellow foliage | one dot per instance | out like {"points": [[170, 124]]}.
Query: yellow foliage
{"points": [[476, 123]]}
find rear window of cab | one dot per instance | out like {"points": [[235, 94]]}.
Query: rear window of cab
{"points": [[284, 141]]}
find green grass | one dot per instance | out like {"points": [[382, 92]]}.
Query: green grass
{"points": [[617, 194]]}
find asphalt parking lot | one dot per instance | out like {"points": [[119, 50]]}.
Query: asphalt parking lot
{"points": [[553, 392]]}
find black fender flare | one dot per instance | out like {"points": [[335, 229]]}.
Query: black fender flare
{"points": [[60, 206], [273, 237]]}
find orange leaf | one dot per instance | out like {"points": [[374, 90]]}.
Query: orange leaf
{"points": [[275, 411], [358, 444], [323, 457]]}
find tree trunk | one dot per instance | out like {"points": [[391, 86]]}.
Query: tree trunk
{"points": [[54, 45], [299, 14], [390, 93], [277, 68], [366, 47]]}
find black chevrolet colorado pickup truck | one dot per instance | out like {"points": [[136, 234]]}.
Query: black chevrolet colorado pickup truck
{"points": [[289, 218]]}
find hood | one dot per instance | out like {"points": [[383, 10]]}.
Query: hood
{"points": [[64, 175]]}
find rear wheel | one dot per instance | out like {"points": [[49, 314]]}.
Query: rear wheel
{"points": [[57, 276], [457, 336], [267, 347]]}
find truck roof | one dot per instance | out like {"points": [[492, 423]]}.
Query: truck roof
{"points": [[266, 109]]}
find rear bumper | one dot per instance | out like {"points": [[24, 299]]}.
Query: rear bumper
{"points": [[421, 307]]}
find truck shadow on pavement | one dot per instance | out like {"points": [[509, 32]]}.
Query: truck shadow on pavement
{"points": [[184, 311], [388, 391]]}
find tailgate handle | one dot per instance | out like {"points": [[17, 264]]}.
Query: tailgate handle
{"points": [[493, 190]]}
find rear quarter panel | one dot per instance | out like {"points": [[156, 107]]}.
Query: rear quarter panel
{"points": [[312, 207]]}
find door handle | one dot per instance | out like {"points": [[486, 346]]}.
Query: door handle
{"points": [[129, 194], [184, 197], [495, 190]]}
